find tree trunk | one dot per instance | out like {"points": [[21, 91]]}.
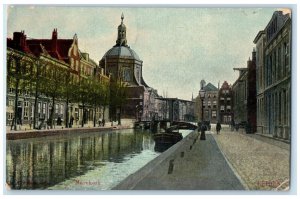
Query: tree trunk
{"points": [[95, 116], [36, 96], [83, 116], [16, 104], [35, 112], [52, 113], [67, 113], [103, 113]]}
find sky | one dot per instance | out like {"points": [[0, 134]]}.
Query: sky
{"points": [[178, 46]]}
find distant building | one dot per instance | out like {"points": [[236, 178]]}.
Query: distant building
{"points": [[273, 46], [240, 95], [225, 103], [210, 104], [244, 94], [175, 109]]}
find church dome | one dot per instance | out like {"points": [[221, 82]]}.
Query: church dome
{"points": [[122, 51]]}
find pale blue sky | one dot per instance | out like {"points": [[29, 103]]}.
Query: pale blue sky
{"points": [[178, 46]]}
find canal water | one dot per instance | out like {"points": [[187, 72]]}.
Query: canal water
{"points": [[88, 161]]}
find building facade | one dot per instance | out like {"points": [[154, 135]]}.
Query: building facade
{"points": [[240, 96], [244, 95], [225, 103], [273, 46], [29, 61], [210, 104]]}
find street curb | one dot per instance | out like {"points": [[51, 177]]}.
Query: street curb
{"points": [[133, 179], [231, 166], [53, 132]]}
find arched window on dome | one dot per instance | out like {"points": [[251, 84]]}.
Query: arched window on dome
{"points": [[127, 74]]}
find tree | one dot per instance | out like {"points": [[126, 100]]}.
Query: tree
{"points": [[18, 76], [95, 91], [68, 93], [82, 93], [52, 83], [118, 97]]}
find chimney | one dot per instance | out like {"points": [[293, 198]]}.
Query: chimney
{"points": [[19, 39], [54, 39], [254, 55]]}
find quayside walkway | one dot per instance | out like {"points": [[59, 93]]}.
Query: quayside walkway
{"points": [[191, 164]]}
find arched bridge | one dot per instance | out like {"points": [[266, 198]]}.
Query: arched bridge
{"points": [[185, 125], [164, 124]]}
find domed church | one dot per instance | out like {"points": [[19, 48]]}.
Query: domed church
{"points": [[123, 63]]}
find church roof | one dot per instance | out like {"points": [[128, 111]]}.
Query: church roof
{"points": [[122, 51]]}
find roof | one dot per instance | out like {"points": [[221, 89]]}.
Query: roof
{"points": [[210, 87], [259, 34], [122, 51], [60, 52], [56, 48]]}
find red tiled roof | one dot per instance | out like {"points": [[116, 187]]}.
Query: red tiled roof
{"points": [[59, 52], [56, 48]]}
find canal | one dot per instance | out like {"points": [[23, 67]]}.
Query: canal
{"points": [[88, 161]]}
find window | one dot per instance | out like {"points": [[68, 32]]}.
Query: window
{"points": [[39, 107], [228, 108], [228, 99], [286, 54], [10, 116], [26, 103], [222, 99], [56, 108], [222, 108], [32, 111], [214, 114], [11, 90], [26, 113], [279, 63], [11, 102], [214, 103], [126, 74], [44, 108], [61, 109], [209, 104]]}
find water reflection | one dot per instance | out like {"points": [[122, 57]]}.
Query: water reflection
{"points": [[41, 163]]}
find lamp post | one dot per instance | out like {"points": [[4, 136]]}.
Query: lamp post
{"points": [[202, 127]]}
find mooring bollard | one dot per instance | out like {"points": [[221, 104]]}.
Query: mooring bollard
{"points": [[171, 166]]}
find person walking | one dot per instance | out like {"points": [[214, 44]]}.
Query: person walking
{"points": [[203, 128], [232, 125], [218, 127]]}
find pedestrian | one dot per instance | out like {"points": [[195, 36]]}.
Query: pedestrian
{"points": [[232, 125], [203, 129], [103, 122], [218, 127]]}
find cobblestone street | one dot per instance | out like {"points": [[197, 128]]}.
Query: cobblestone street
{"points": [[262, 165]]}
